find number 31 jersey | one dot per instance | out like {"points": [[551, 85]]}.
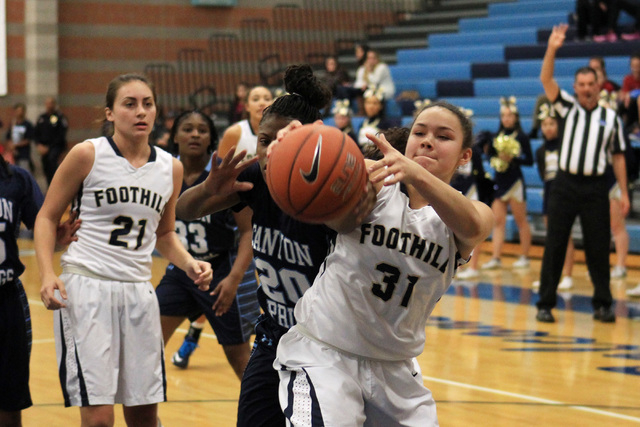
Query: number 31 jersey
{"points": [[120, 207], [382, 281]]}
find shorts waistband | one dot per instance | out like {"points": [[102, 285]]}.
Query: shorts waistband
{"points": [[80, 271]]}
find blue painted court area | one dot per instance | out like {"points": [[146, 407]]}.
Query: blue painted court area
{"points": [[519, 295]]}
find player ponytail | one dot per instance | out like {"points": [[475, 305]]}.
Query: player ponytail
{"points": [[306, 96]]}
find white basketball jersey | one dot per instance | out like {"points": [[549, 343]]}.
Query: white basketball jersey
{"points": [[382, 281], [248, 140], [120, 207]]}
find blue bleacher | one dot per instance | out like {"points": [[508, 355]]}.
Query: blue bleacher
{"points": [[522, 7], [489, 36], [534, 200], [526, 86], [488, 53], [416, 73], [616, 66], [539, 20], [531, 176]]}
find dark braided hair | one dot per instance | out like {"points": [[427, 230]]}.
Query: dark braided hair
{"points": [[307, 96]]}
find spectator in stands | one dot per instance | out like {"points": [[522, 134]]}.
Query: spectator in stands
{"points": [[591, 16], [547, 163], [598, 64], [375, 74], [629, 104], [20, 136], [237, 110], [335, 77], [375, 121], [581, 188], [360, 51], [342, 117], [50, 134], [508, 150]]}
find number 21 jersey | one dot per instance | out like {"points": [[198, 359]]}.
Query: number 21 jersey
{"points": [[120, 207]]}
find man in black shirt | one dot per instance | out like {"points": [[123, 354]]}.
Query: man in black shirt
{"points": [[51, 137]]}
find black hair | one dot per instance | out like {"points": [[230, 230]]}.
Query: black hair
{"points": [[306, 96], [173, 147], [5, 170], [586, 70], [635, 55], [465, 122]]}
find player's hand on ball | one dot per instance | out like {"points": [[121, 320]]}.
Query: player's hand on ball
{"points": [[223, 177], [366, 203]]}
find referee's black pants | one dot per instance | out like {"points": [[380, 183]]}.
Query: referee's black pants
{"points": [[588, 198]]}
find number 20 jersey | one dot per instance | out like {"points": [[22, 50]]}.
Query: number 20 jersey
{"points": [[382, 281], [120, 207]]}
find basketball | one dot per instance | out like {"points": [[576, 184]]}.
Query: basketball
{"points": [[316, 173]]}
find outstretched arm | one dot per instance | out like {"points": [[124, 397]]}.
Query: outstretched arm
{"points": [[556, 40], [218, 191]]}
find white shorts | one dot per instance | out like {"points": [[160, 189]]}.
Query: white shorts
{"points": [[320, 385], [109, 343]]}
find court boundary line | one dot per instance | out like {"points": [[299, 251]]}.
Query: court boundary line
{"points": [[531, 398]]}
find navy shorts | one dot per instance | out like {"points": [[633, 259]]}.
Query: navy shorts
{"points": [[15, 342], [178, 296], [258, 405]]}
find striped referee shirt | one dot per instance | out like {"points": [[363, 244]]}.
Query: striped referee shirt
{"points": [[588, 137]]}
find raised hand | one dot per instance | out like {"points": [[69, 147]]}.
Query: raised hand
{"points": [[558, 34], [222, 179]]}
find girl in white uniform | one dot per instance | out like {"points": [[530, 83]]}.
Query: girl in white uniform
{"points": [[350, 359], [242, 135], [107, 324]]}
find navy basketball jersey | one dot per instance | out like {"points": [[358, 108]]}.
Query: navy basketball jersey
{"points": [[205, 238], [288, 253], [20, 201]]}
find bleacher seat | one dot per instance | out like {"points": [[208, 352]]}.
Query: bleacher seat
{"points": [[537, 20], [534, 200], [416, 73], [528, 86], [531, 176], [489, 53], [527, 7], [485, 36]]}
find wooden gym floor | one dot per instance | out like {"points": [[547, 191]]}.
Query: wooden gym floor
{"points": [[487, 361]]}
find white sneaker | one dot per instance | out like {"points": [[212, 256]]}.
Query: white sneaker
{"points": [[467, 273], [618, 272], [635, 292], [536, 284], [566, 283], [522, 262], [492, 264]]}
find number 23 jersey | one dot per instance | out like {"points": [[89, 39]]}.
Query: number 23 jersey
{"points": [[382, 281], [120, 207]]}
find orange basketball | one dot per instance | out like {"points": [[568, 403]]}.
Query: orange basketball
{"points": [[316, 173]]}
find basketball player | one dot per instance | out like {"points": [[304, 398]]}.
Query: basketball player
{"points": [[283, 280], [210, 239], [349, 360], [242, 136], [20, 200], [107, 321]]}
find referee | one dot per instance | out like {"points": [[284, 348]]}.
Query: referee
{"points": [[591, 135]]}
